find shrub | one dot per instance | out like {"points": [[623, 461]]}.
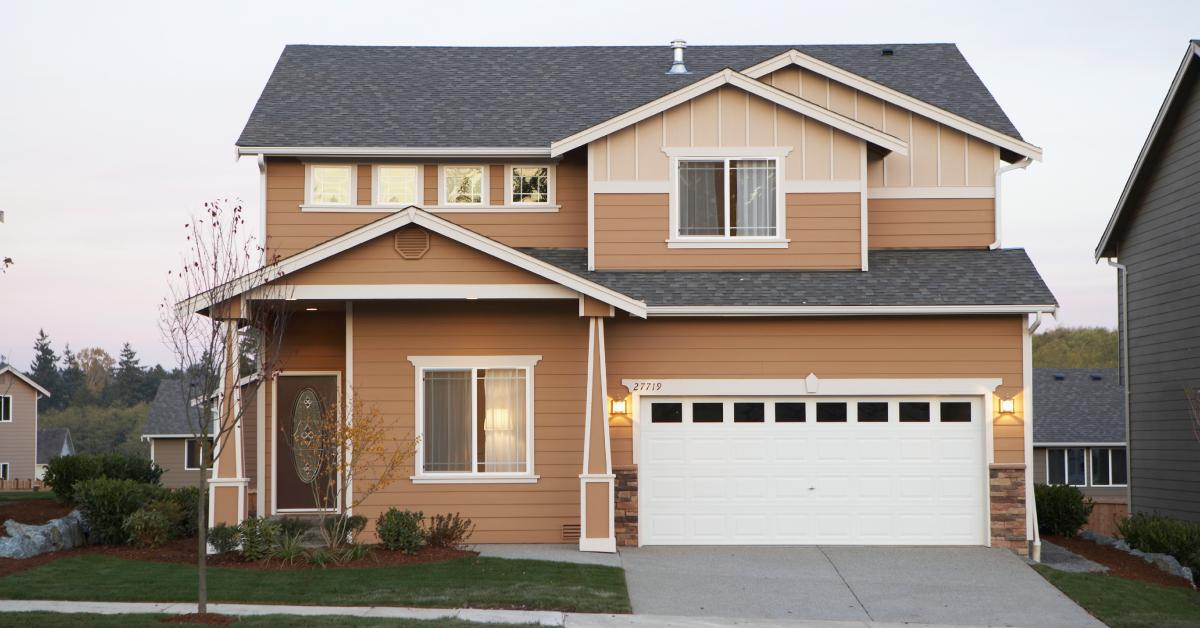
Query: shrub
{"points": [[293, 526], [64, 473], [348, 527], [1061, 510], [448, 531], [355, 552], [321, 557], [1163, 535], [289, 549], [148, 527], [187, 500], [223, 538], [400, 530], [106, 502], [257, 537]]}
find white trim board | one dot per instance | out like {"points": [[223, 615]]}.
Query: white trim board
{"points": [[887, 94], [395, 151], [363, 292], [812, 387], [842, 310], [745, 83]]}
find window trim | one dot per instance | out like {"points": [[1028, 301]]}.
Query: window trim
{"points": [[777, 154], [421, 365], [551, 196], [5, 470], [308, 200], [1087, 466], [185, 454], [10, 409], [376, 180], [1109, 450], [484, 186]]}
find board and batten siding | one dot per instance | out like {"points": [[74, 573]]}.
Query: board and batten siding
{"points": [[832, 348], [18, 439], [824, 232], [1159, 246], [387, 333], [290, 230]]}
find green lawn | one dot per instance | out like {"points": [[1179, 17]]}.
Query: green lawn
{"points": [[20, 496], [463, 582], [73, 620], [1122, 603]]}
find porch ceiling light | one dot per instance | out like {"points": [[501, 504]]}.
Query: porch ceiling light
{"points": [[617, 406], [1008, 406], [310, 309]]}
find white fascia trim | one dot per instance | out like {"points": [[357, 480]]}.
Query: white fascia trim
{"points": [[395, 151], [822, 187], [475, 361], [161, 436], [933, 192], [25, 378], [414, 215], [1189, 57], [801, 388], [847, 310], [1044, 445], [631, 187], [441, 209], [746, 83], [867, 86], [726, 243], [429, 291], [480, 478]]}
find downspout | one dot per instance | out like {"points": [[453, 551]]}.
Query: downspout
{"points": [[1019, 165], [1123, 328], [1035, 551]]}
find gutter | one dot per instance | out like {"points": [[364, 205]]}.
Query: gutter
{"points": [[1000, 170], [1123, 365]]}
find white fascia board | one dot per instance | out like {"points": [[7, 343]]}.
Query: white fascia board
{"points": [[752, 387], [1042, 445], [745, 83], [362, 292], [21, 376], [1192, 53], [900, 99], [394, 151], [844, 310]]}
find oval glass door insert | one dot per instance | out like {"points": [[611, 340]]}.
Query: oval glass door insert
{"points": [[306, 417]]}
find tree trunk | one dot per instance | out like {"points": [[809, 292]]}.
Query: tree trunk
{"points": [[202, 533]]}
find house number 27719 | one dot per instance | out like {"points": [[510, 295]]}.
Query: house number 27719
{"points": [[646, 387]]}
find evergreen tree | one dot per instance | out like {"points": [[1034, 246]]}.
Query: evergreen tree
{"points": [[129, 376], [44, 369], [71, 379]]}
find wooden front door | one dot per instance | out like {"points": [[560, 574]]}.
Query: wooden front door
{"points": [[302, 477]]}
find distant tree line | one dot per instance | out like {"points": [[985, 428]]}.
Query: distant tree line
{"points": [[1076, 347]]}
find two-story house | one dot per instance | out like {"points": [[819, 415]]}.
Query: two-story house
{"points": [[721, 295], [18, 424]]}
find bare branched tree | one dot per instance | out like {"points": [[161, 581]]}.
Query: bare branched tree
{"points": [[224, 289]]}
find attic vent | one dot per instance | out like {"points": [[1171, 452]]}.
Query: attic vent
{"points": [[1058, 377], [570, 532], [888, 52], [1097, 377], [412, 243]]}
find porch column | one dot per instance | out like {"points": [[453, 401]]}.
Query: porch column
{"points": [[227, 484], [596, 482]]}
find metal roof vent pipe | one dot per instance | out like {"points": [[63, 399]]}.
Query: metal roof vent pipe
{"points": [[677, 66]]}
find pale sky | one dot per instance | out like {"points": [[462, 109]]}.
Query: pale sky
{"points": [[117, 120]]}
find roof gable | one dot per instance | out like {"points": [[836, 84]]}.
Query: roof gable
{"points": [[8, 368]]}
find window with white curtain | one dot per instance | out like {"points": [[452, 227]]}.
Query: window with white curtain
{"points": [[397, 185], [476, 420], [331, 184], [728, 198]]}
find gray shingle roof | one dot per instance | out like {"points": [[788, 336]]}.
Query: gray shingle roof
{"points": [[1078, 408], [50, 442], [167, 411], [414, 96], [895, 278]]}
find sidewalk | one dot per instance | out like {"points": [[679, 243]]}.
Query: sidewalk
{"points": [[544, 618]]}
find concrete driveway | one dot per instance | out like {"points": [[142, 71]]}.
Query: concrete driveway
{"points": [[931, 585]]}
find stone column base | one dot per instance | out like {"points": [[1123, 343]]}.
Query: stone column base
{"points": [[1006, 484], [626, 506]]}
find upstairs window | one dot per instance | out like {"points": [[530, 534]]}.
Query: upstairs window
{"points": [[331, 184], [728, 198], [529, 185], [464, 185], [5, 408], [398, 186], [192, 452]]}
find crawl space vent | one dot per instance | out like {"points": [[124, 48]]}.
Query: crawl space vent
{"points": [[570, 532], [412, 243]]}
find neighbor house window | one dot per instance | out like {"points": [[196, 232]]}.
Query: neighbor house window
{"points": [[529, 185], [5, 408], [1108, 466], [3, 470], [728, 198], [476, 421], [331, 184], [1066, 466], [397, 185], [463, 185], [192, 453]]}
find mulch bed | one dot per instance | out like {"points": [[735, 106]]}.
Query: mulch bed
{"points": [[1120, 564], [212, 619], [32, 512]]}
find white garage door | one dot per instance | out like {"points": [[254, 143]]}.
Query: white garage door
{"points": [[777, 471]]}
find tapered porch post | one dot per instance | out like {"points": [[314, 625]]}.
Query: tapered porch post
{"points": [[227, 484], [597, 532]]}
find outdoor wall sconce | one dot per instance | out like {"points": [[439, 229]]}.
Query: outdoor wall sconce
{"points": [[1008, 406], [617, 406]]}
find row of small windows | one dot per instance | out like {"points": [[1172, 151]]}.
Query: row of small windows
{"points": [[402, 185], [825, 411]]}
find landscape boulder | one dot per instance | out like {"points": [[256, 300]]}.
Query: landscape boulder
{"points": [[25, 541]]}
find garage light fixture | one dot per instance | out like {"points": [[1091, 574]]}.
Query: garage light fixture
{"points": [[617, 406], [1008, 406]]}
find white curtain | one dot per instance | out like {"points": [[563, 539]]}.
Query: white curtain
{"points": [[701, 198], [503, 409], [447, 438], [753, 204]]}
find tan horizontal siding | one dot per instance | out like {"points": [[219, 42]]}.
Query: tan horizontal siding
{"points": [[930, 223], [632, 229], [18, 439], [169, 454], [852, 348]]}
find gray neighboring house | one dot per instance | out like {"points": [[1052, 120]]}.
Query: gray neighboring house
{"points": [[171, 430], [52, 442], [1153, 237], [1079, 435]]}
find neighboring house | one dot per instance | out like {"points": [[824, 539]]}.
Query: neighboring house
{"points": [[171, 429], [18, 424], [760, 302], [1152, 238], [52, 442]]}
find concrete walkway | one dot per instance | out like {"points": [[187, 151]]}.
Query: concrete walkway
{"points": [[1064, 559], [544, 618]]}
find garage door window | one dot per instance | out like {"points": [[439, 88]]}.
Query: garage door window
{"points": [[831, 412], [749, 412], [956, 411], [666, 413], [790, 412], [708, 412], [914, 412], [872, 412]]}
